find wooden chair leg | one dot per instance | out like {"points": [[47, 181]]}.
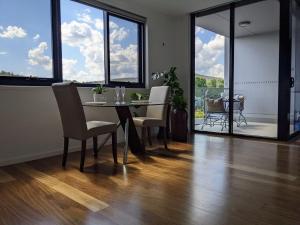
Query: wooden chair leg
{"points": [[114, 147], [95, 147], [149, 135], [165, 138], [83, 148], [65, 155]]}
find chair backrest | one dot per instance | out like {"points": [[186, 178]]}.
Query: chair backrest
{"points": [[158, 95], [239, 103], [215, 105], [71, 110]]}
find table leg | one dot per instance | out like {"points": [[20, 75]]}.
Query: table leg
{"points": [[133, 138], [126, 142]]}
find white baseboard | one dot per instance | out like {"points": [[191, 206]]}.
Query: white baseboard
{"points": [[31, 157]]}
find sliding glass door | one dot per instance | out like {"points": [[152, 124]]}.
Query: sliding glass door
{"points": [[237, 64], [256, 69], [295, 68], [212, 72]]}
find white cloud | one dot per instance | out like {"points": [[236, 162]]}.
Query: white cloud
{"points": [[36, 37], [123, 61], [71, 73], [90, 43], [3, 53], [208, 56], [12, 32], [86, 18], [113, 25], [118, 34], [99, 24], [37, 56], [86, 34]]}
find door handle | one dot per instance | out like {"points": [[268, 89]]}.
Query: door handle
{"points": [[292, 82]]}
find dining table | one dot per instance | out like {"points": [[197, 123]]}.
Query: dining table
{"points": [[126, 122]]}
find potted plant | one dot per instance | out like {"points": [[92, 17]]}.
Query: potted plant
{"points": [[98, 93], [138, 96], [179, 115]]}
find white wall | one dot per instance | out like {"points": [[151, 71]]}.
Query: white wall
{"points": [[30, 126], [256, 75], [182, 55]]}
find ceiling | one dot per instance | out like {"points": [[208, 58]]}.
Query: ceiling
{"points": [[264, 17], [178, 7]]}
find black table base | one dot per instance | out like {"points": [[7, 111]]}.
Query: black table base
{"points": [[134, 142]]}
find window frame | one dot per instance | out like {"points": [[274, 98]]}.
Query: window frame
{"points": [[57, 66], [141, 50]]}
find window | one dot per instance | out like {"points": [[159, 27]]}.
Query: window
{"points": [[25, 40], [123, 50], [82, 43], [85, 41]]}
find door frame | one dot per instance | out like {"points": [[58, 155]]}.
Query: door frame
{"points": [[284, 72]]}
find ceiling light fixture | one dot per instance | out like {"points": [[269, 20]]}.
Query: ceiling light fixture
{"points": [[245, 23]]}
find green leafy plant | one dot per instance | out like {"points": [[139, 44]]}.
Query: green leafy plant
{"points": [[138, 96], [171, 80], [99, 89], [178, 102]]}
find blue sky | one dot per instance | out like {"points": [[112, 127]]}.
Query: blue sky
{"points": [[34, 18], [209, 52], [25, 41]]}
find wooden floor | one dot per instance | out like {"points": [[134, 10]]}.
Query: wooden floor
{"points": [[210, 181]]}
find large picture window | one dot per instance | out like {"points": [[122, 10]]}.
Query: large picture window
{"points": [[26, 39], [85, 41], [123, 50], [82, 43]]}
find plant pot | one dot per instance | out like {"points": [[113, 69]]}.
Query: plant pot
{"points": [[99, 97], [179, 129]]}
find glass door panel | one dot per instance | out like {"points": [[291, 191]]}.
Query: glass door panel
{"points": [[256, 70], [212, 72], [295, 70]]}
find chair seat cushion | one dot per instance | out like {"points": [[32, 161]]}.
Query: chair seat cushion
{"points": [[147, 122], [95, 128]]}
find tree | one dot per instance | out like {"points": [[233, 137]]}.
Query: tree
{"points": [[212, 83], [220, 83], [200, 82]]}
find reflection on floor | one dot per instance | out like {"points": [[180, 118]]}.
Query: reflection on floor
{"points": [[253, 129]]}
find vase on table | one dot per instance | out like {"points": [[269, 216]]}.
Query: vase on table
{"points": [[99, 97]]}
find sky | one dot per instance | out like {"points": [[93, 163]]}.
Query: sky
{"points": [[209, 53], [25, 38], [26, 49]]}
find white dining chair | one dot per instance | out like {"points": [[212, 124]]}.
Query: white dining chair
{"points": [[156, 115], [75, 125]]}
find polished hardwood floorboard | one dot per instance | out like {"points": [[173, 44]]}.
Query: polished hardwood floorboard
{"points": [[208, 181]]}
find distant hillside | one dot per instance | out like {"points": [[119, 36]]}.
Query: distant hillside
{"points": [[8, 74], [127, 79], [208, 77]]}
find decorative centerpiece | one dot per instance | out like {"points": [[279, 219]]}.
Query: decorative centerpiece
{"points": [[98, 93], [179, 115]]}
